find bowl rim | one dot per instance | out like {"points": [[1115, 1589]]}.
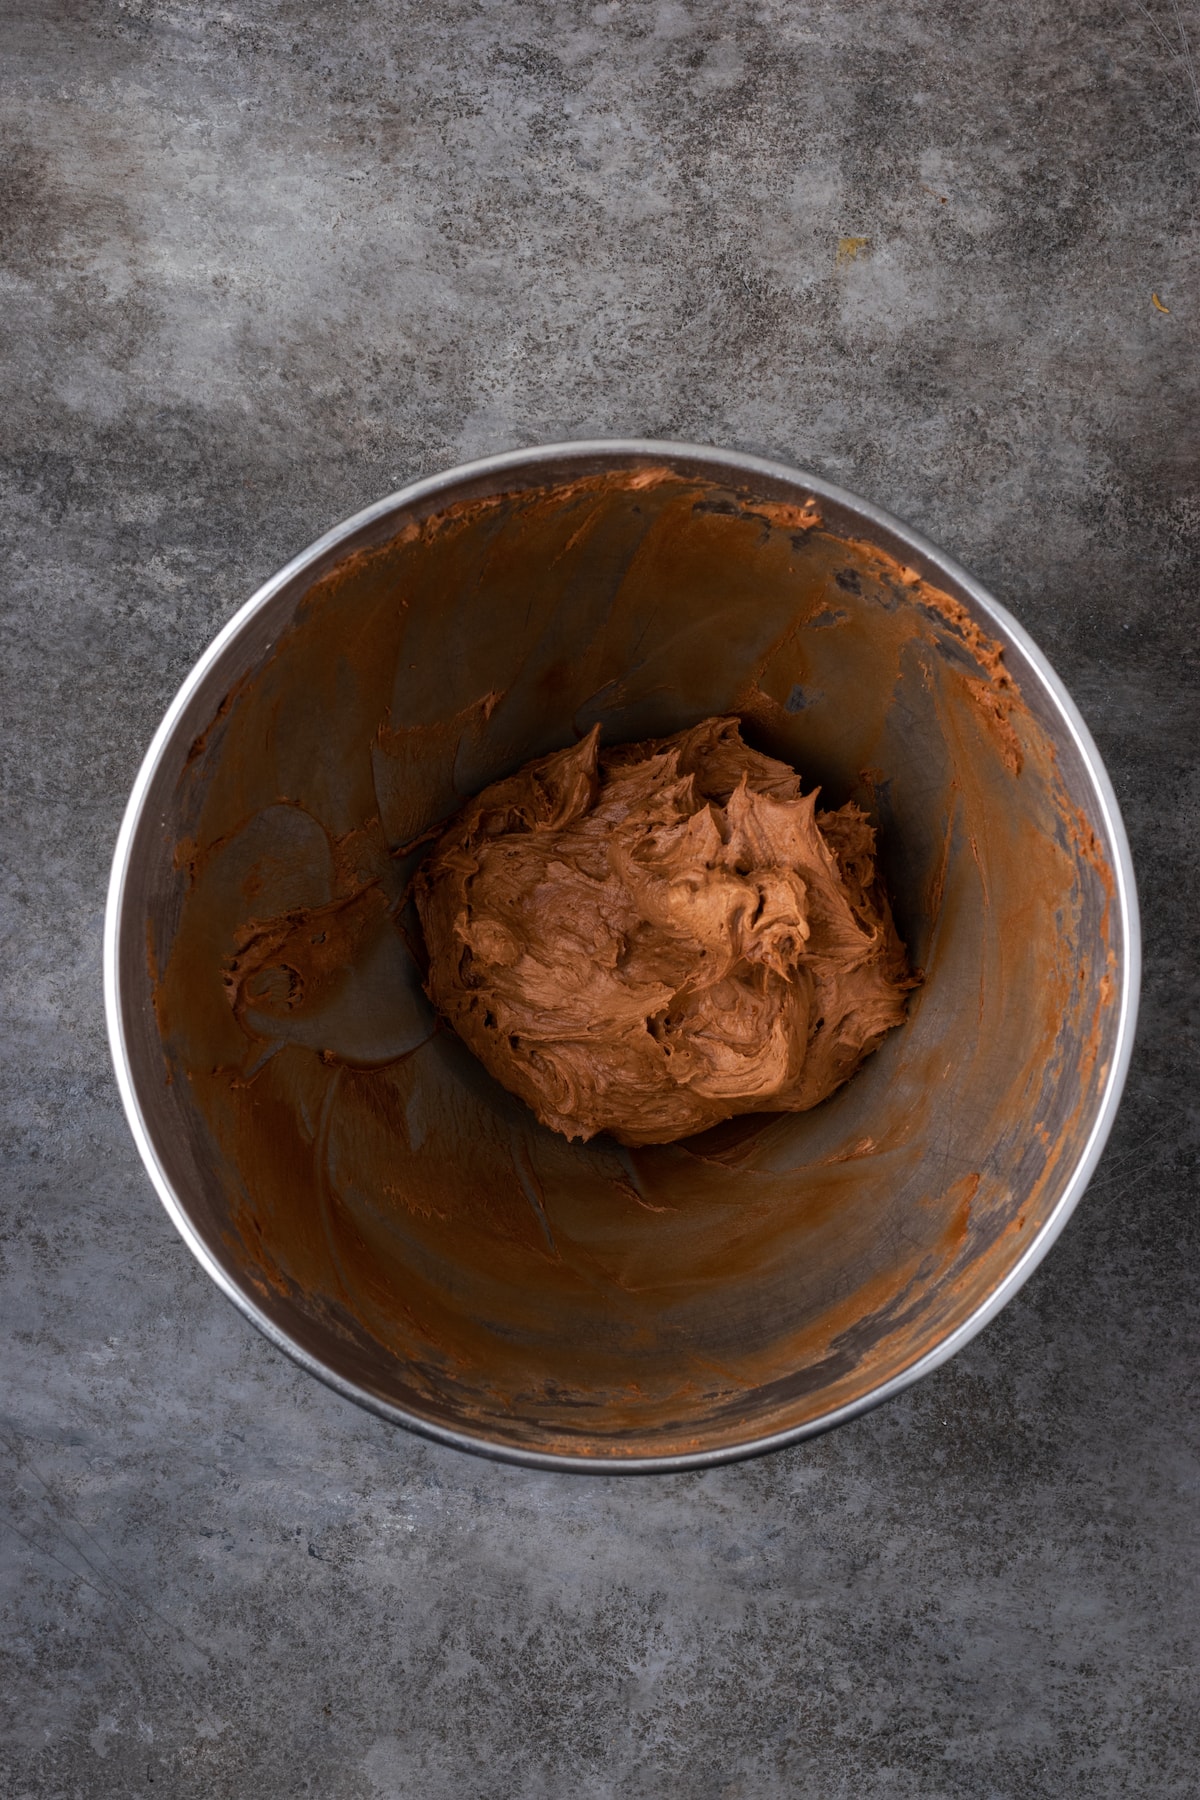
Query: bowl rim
{"points": [[618, 451]]}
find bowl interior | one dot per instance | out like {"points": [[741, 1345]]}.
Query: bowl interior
{"points": [[352, 1172]]}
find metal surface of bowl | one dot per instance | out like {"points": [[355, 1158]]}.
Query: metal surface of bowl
{"points": [[360, 1188]]}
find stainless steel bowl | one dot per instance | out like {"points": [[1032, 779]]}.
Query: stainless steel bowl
{"points": [[353, 1180]]}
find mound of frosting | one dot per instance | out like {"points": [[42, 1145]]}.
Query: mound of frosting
{"points": [[648, 939]]}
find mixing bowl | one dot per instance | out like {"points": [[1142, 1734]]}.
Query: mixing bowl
{"points": [[350, 1175]]}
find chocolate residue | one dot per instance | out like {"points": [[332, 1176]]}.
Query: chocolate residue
{"points": [[402, 1215], [650, 939]]}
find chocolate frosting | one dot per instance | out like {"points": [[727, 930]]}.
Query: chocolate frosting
{"points": [[648, 939]]}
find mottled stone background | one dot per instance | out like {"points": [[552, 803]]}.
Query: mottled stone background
{"points": [[263, 263]]}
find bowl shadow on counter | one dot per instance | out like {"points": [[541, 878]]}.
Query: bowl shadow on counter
{"points": [[354, 1176]]}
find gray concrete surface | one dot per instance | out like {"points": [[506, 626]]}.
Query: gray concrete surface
{"points": [[261, 264]]}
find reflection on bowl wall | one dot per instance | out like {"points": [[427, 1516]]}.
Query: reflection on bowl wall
{"points": [[350, 1174]]}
